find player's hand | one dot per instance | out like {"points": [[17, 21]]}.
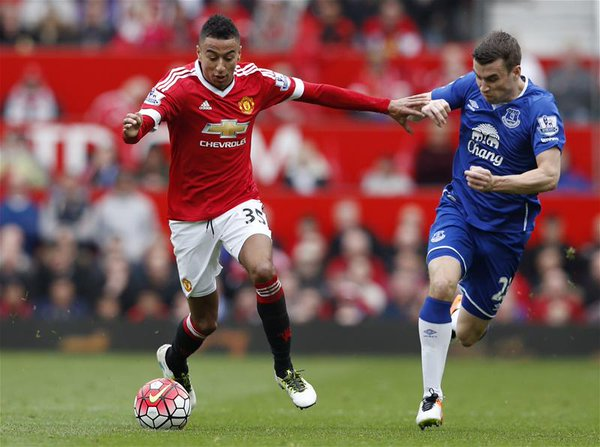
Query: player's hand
{"points": [[480, 179], [403, 108], [437, 110], [131, 124]]}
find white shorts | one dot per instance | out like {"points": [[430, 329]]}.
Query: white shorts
{"points": [[197, 245]]}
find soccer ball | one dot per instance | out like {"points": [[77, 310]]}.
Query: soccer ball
{"points": [[162, 404]]}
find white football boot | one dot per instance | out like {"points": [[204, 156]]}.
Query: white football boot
{"points": [[430, 411], [183, 379], [301, 392]]}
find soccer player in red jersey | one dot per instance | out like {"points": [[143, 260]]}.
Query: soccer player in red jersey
{"points": [[210, 107]]}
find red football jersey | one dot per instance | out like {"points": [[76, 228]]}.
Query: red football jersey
{"points": [[210, 132]]}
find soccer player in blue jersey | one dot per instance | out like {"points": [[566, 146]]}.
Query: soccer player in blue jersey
{"points": [[511, 137]]}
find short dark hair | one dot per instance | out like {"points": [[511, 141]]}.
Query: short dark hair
{"points": [[219, 27], [498, 45]]}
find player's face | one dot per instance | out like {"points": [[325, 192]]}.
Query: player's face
{"points": [[218, 58], [496, 83]]}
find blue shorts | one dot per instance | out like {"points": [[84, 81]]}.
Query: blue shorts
{"points": [[489, 261]]}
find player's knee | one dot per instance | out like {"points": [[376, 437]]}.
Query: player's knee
{"points": [[262, 272], [468, 338], [442, 288], [205, 326]]}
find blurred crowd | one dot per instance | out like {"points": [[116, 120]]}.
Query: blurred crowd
{"points": [[92, 245], [69, 256], [265, 25]]}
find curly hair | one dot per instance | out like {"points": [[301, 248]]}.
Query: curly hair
{"points": [[219, 27]]}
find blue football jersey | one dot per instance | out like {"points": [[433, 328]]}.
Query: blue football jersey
{"points": [[505, 139]]}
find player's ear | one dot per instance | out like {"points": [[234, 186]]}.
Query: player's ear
{"points": [[517, 71], [198, 51], [240, 54]]}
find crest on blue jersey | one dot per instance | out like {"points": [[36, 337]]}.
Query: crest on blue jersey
{"points": [[511, 118], [547, 125]]}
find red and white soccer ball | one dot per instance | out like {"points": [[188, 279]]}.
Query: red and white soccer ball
{"points": [[162, 404]]}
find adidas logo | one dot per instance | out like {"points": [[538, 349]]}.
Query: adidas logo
{"points": [[205, 106]]}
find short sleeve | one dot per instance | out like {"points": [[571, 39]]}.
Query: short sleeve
{"points": [[278, 87], [158, 105]]}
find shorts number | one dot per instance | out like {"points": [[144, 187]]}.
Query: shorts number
{"points": [[253, 214], [504, 283]]}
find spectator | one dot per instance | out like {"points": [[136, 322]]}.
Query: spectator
{"points": [[158, 273], [31, 100], [552, 251], [384, 179], [570, 179], [380, 78], [575, 88], [103, 168], [108, 308], [60, 258], [142, 25], [308, 258], [50, 22], [68, 206], [153, 174], [356, 295], [323, 27], [305, 305], [148, 306], [275, 26], [326, 21], [109, 107], [17, 207], [12, 31], [355, 243], [406, 289], [441, 21], [591, 286], [392, 31], [15, 263], [557, 302], [117, 286], [62, 302], [127, 215], [347, 217], [433, 162], [307, 170], [96, 27], [14, 302], [455, 60], [17, 159]]}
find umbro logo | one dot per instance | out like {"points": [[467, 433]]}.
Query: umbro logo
{"points": [[205, 106], [473, 105], [430, 333]]}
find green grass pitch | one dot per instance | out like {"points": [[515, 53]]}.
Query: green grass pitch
{"points": [[87, 400]]}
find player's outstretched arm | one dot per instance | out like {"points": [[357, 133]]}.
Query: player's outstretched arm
{"points": [[341, 98], [543, 178]]}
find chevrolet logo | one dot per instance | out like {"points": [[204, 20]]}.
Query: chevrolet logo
{"points": [[226, 128]]}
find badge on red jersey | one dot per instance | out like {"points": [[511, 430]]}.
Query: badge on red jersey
{"points": [[246, 105]]}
